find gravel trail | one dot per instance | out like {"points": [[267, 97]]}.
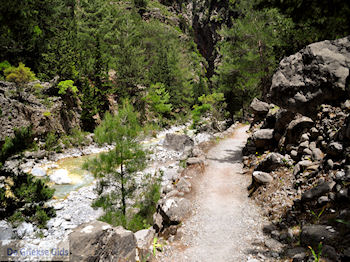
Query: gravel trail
{"points": [[225, 224]]}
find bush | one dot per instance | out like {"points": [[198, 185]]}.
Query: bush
{"points": [[24, 198], [77, 138], [4, 65], [50, 141], [20, 75], [67, 85], [22, 139], [212, 106]]}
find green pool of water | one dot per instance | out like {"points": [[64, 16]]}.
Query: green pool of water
{"points": [[76, 173]]}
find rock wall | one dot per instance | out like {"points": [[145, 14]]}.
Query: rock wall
{"points": [[35, 107], [299, 154]]}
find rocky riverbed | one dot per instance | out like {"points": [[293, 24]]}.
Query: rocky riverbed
{"points": [[74, 208]]}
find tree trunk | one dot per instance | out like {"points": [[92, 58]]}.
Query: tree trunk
{"points": [[123, 190]]}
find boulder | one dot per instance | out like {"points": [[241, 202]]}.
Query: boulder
{"points": [[316, 74], [262, 177], [301, 166], [283, 118], [195, 160], [262, 138], [6, 230], [38, 172], [317, 154], [177, 142], [296, 128], [144, 239], [60, 177], [259, 108], [98, 241], [317, 191], [175, 209], [312, 235], [25, 229], [271, 162]]}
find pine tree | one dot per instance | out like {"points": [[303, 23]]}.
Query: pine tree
{"points": [[118, 166], [248, 53]]}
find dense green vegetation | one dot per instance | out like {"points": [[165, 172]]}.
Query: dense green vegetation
{"points": [[105, 48]]}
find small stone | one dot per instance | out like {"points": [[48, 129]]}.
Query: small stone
{"points": [[330, 163], [67, 217], [262, 177], [323, 200], [304, 138]]}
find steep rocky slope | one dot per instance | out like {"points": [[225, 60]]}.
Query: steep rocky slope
{"points": [[37, 106], [203, 19], [299, 154]]}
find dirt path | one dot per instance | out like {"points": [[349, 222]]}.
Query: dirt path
{"points": [[225, 224]]}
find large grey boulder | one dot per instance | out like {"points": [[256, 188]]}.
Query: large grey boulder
{"points": [[317, 191], [6, 230], [177, 142], [25, 229], [262, 138], [283, 118], [312, 235], [98, 241], [144, 239], [259, 108], [296, 128], [171, 211], [315, 75]]}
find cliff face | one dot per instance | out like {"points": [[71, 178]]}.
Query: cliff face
{"points": [[36, 108], [203, 19]]}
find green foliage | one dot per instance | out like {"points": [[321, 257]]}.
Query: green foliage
{"points": [[317, 256], [120, 164], [51, 142], [47, 114], [317, 216], [4, 65], [212, 106], [21, 140], [158, 101], [67, 85], [24, 198], [146, 205], [20, 75], [76, 138], [315, 20], [248, 52], [16, 219]]}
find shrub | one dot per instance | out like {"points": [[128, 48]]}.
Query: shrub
{"points": [[26, 199], [22, 139], [4, 65], [67, 85], [20, 75], [50, 141], [212, 106], [77, 138]]}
